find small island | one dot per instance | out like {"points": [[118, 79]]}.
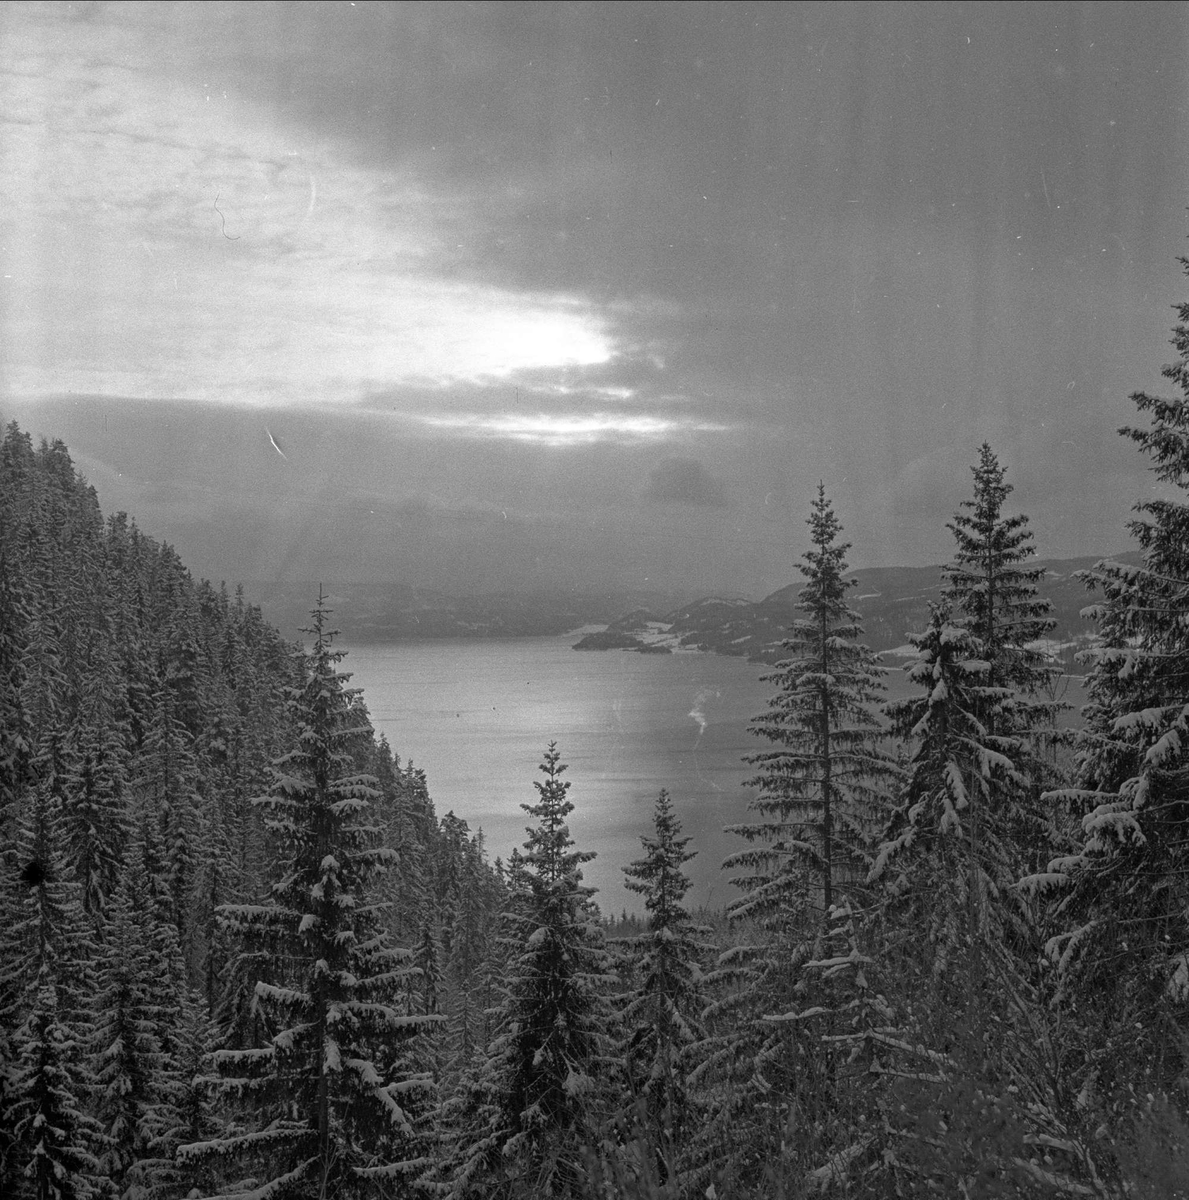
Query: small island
{"points": [[616, 639], [640, 631], [609, 639]]}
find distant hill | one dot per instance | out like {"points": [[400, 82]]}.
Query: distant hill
{"points": [[382, 611], [893, 602]]}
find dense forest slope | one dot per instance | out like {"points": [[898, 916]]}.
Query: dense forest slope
{"points": [[142, 715]]}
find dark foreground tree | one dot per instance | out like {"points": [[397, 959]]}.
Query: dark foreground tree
{"points": [[820, 798], [771, 1064], [662, 1015], [992, 592], [135, 1078], [334, 1108], [46, 987], [946, 865], [537, 1104], [1121, 953]]}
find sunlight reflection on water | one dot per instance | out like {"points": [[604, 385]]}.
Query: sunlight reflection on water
{"points": [[476, 715]]}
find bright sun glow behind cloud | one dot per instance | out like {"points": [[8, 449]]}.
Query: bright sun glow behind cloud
{"points": [[165, 240], [514, 340], [569, 430]]}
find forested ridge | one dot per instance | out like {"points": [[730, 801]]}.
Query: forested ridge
{"points": [[241, 954]]}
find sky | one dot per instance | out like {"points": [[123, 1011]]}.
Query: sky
{"points": [[511, 296]]}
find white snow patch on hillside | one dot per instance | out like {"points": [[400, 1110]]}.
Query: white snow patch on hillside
{"points": [[657, 633]]}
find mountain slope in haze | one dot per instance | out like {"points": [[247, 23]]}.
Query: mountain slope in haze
{"points": [[382, 611], [892, 601]]}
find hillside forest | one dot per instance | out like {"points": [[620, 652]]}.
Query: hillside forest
{"points": [[242, 955]]}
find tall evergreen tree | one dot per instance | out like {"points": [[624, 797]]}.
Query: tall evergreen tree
{"points": [[1122, 949], [96, 817], [769, 1063], [427, 961], [16, 739], [820, 794], [46, 984], [133, 1073], [480, 901], [193, 1115], [167, 779], [954, 939], [991, 592], [337, 1109], [946, 863], [662, 1015], [537, 1104]]}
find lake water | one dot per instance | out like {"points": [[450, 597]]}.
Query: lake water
{"points": [[477, 716]]}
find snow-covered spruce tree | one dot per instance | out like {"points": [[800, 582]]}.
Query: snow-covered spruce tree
{"points": [[167, 778], [133, 1074], [16, 742], [771, 1064], [991, 592], [428, 963], [188, 1112], [95, 811], [820, 789], [480, 902], [946, 864], [193, 1116], [1122, 954], [147, 861], [943, 914], [403, 832], [16, 747], [661, 1017], [45, 981], [217, 880], [139, 1045], [336, 1111], [535, 1109]]}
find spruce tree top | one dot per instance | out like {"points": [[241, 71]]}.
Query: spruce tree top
{"points": [[1162, 529], [830, 626], [659, 876], [1122, 957], [1137, 721], [985, 583], [820, 785], [551, 851], [825, 563]]}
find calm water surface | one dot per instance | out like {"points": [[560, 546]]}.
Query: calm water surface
{"points": [[477, 716]]}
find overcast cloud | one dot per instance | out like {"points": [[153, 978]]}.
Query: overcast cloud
{"points": [[588, 294]]}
